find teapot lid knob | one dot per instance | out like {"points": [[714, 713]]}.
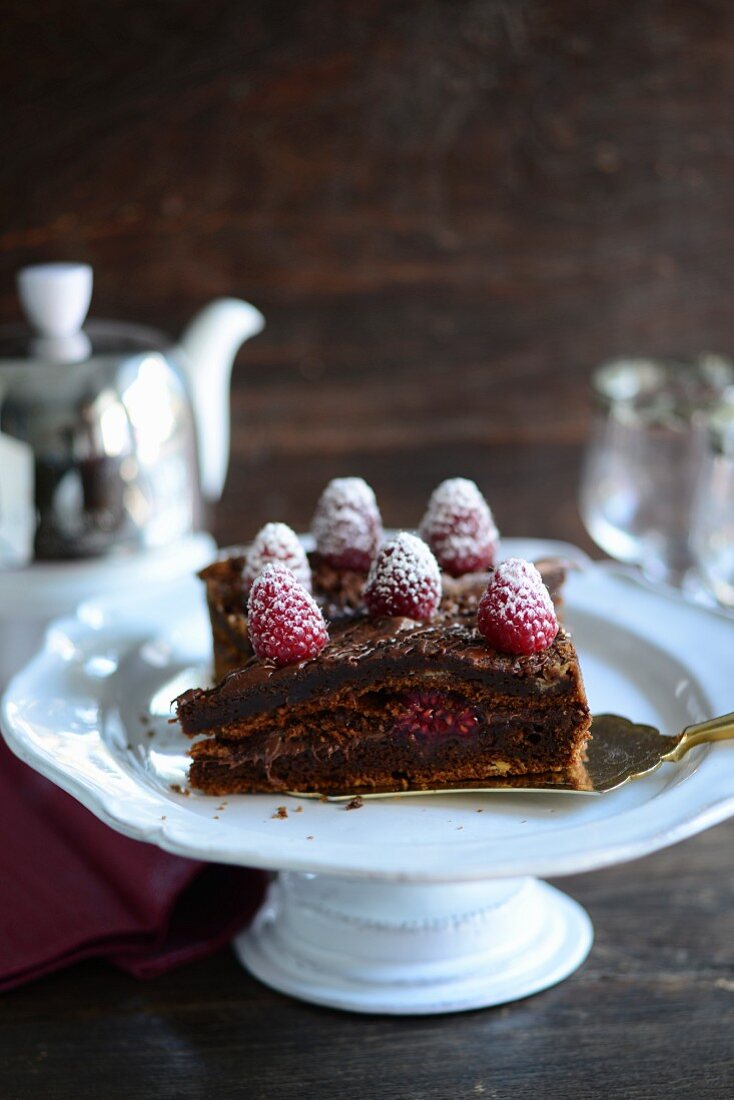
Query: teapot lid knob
{"points": [[55, 299]]}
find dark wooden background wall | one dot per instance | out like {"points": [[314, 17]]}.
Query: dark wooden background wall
{"points": [[448, 211]]}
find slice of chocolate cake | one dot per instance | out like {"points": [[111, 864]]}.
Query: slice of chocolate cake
{"points": [[376, 665], [392, 703]]}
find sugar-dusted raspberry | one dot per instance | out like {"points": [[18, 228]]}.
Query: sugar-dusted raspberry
{"points": [[404, 580], [459, 528], [276, 542], [347, 525], [516, 613], [285, 624], [436, 714]]}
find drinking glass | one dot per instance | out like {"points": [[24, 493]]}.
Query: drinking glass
{"points": [[712, 535], [642, 465]]}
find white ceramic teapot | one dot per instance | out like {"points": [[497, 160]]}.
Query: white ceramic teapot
{"points": [[110, 434]]}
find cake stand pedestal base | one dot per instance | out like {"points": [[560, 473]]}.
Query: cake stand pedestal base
{"points": [[412, 949]]}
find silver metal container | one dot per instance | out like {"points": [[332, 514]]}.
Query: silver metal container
{"points": [[110, 435]]}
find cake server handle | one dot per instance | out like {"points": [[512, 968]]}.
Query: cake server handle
{"points": [[703, 733]]}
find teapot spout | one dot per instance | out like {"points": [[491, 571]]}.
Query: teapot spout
{"points": [[208, 347]]}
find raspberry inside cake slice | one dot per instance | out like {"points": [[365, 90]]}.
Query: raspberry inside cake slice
{"points": [[391, 703]]}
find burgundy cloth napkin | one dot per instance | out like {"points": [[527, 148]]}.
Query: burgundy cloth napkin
{"points": [[71, 888]]}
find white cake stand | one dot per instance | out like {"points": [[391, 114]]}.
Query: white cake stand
{"points": [[419, 905]]}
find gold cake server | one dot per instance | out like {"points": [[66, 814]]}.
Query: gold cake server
{"points": [[619, 751]]}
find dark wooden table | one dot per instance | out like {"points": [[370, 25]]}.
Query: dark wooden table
{"points": [[448, 211]]}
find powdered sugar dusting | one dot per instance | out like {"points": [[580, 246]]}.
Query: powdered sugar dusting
{"points": [[459, 527], [521, 578], [347, 525], [277, 542], [404, 579], [284, 621], [516, 613]]}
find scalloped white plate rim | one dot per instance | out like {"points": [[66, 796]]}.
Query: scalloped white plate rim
{"points": [[695, 637]]}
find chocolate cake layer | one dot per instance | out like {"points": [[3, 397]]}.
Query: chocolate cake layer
{"points": [[419, 740], [216, 771]]}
